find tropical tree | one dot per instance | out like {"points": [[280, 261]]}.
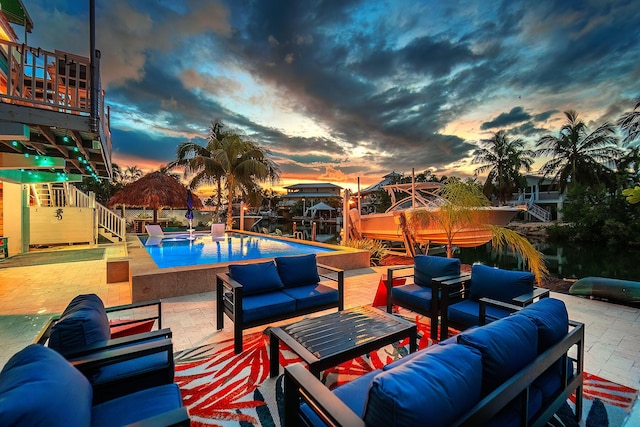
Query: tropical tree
{"points": [[465, 208], [228, 161], [630, 124], [578, 156], [503, 159]]}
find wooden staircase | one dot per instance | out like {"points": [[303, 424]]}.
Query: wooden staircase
{"points": [[109, 225]]}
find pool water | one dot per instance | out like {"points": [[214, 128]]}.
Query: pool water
{"points": [[180, 250]]}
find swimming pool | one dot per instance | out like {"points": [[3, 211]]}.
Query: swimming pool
{"points": [[180, 250]]}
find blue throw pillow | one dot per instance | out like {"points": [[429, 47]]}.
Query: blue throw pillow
{"points": [[439, 385], [82, 323], [38, 387], [551, 317], [298, 270], [495, 283], [256, 278], [426, 267], [507, 345]]}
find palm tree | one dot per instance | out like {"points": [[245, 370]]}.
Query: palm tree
{"points": [[465, 208], [630, 124], [504, 159], [131, 174], [227, 160], [578, 156]]}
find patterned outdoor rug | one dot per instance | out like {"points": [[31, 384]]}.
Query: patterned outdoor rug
{"points": [[54, 257], [224, 389]]}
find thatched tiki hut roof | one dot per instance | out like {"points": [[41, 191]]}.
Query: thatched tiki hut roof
{"points": [[155, 190]]}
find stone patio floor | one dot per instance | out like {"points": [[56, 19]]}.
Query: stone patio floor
{"points": [[30, 295]]}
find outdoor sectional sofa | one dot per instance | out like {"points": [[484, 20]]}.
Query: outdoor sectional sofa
{"points": [[515, 371], [266, 292]]}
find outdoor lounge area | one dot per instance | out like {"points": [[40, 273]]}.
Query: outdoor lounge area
{"points": [[610, 350]]}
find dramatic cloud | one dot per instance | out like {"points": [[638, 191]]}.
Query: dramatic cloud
{"points": [[339, 89]]}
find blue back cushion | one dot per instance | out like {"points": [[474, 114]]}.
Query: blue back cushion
{"points": [[38, 387], [551, 317], [298, 270], [427, 267], [437, 386], [507, 345], [494, 283], [82, 323], [256, 278]]}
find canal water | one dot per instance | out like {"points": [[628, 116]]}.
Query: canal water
{"points": [[564, 261]]}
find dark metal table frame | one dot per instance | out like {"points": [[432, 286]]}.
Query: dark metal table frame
{"points": [[326, 341]]}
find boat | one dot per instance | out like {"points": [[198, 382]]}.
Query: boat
{"points": [[626, 291], [388, 226]]}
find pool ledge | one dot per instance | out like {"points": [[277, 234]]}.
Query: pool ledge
{"points": [[149, 282]]}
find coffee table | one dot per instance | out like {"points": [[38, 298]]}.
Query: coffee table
{"points": [[326, 341]]}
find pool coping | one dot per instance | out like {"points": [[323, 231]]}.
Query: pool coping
{"points": [[149, 282]]}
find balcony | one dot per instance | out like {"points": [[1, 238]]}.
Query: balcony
{"points": [[53, 123]]}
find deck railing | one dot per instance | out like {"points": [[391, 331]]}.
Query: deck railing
{"points": [[57, 80]]}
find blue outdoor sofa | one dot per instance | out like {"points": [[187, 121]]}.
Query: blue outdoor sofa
{"points": [[38, 387], [266, 292], [515, 371]]}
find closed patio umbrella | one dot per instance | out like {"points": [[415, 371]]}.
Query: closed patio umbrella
{"points": [[189, 214], [155, 190]]}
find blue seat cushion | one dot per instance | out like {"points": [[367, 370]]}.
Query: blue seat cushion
{"points": [[426, 267], [256, 278], [38, 387], [261, 306], [353, 394], [495, 283], [551, 317], [466, 313], [136, 406], [507, 345], [82, 323], [298, 270], [310, 296], [441, 384], [413, 294], [133, 367]]}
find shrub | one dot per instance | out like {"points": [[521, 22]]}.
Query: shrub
{"points": [[375, 247]]}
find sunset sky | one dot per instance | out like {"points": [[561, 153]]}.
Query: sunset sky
{"points": [[342, 89]]}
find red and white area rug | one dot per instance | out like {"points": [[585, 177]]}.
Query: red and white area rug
{"points": [[221, 388]]}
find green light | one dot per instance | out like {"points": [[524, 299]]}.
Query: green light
{"points": [[37, 157], [14, 143], [26, 155], [80, 158], [75, 149], [65, 139]]}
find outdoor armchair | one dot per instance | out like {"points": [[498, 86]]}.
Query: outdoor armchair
{"points": [[473, 303], [39, 387], [82, 333], [423, 294]]}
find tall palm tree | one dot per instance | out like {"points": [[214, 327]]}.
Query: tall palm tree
{"points": [[630, 124], [504, 159], [227, 160], [578, 156]]}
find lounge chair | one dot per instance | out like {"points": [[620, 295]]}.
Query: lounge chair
{"points": [[40, 387], [154, 230], [217, 231]]}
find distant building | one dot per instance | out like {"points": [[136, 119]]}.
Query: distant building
{"points": [[542, 198], [314, 192], [368, 196]]}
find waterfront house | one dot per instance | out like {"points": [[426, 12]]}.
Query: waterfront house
{"points": [[54, 131]]}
